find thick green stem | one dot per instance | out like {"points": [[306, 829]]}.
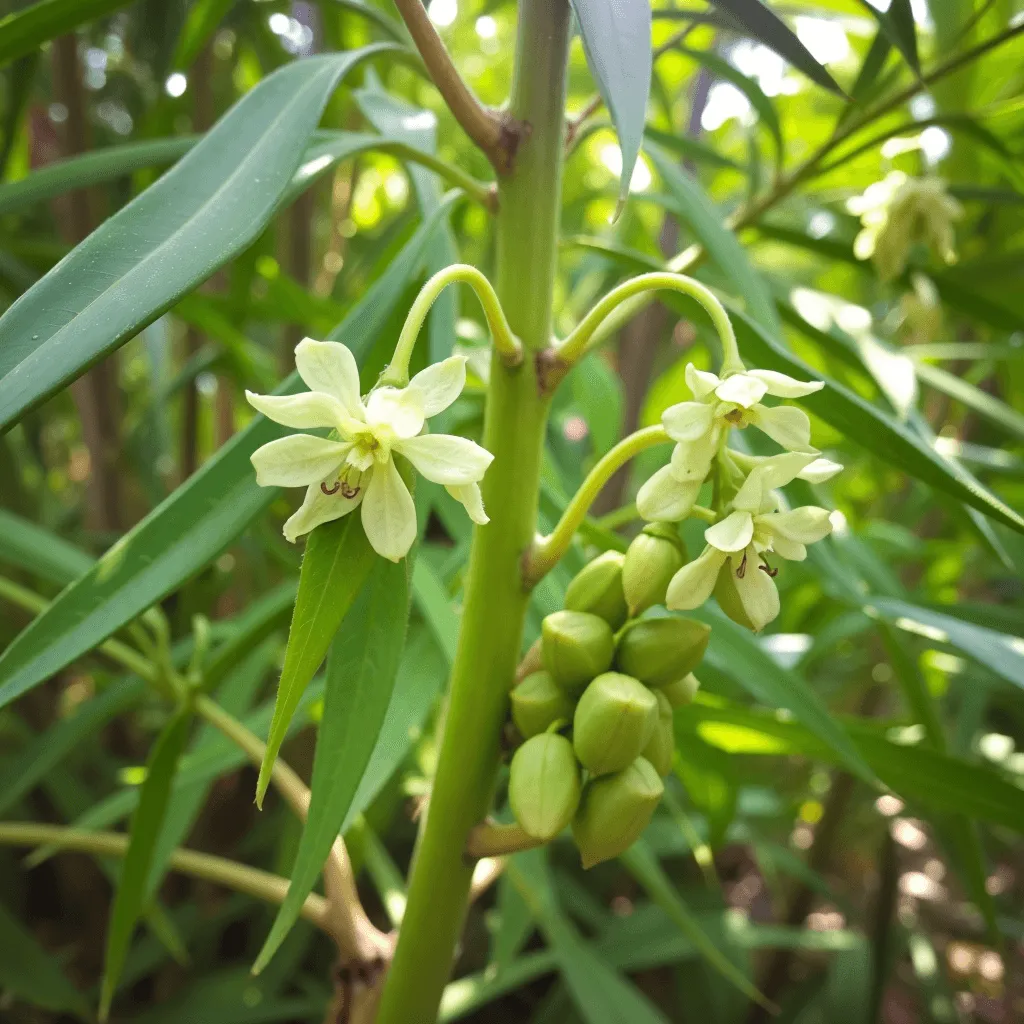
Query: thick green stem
{"points": [[492, 621]]}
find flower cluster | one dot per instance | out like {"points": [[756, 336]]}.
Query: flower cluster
{"points": [[898, 213], [750, 521], [355, 465]]}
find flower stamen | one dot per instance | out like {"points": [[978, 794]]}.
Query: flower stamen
{"points": [[331, 490], [742, 570]]}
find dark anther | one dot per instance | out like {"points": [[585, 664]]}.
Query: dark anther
{"points": [[348, 491], [742, 570], [766, 568], [331, 490]]}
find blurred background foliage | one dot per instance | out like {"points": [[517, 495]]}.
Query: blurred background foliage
{"points": [[841, 903]]}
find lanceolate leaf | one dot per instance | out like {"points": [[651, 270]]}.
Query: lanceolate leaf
{"points": [[145, 830], [206, 209], [40, 552], [617, 40], [335, 564], [898, 25], [23, 31], [766, 27], [360, 677], [883, 435], [193, 525]]}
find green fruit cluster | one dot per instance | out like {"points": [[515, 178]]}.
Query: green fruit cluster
{"points": [[596, 719]]}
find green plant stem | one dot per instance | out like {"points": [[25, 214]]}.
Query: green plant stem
{"points": [[546, 551], [113, 649], [507, 346], [482, 192], [579, 341], [261, 884], [491, 839], [490, 637]]}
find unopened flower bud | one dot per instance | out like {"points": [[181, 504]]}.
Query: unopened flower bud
{"points": [[662, 744], [653, 558], [660, 651], [537, 702], [614, 811], [681, 692], [576, 646], [544, 785], [597, 589], [613, 723]]}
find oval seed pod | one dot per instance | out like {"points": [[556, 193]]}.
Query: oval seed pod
{"points": [[613, 723], [614, 811], [660, 651], [544, 785], [662, 744], [576, 646], [681, 692], [537, 702], [654, 557], [597, 588]]}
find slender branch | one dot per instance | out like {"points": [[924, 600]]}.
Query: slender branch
{"points": [[356, 935], [487, 129], [261, 884], [489, 839], [113, 649], [546, 551], [580, 340], [508, 347], [482, 192]]}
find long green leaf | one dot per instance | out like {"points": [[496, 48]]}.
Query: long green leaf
{"points": [[23, 31], [337, 561], [734, 650], [898, 25], [28, 546], [206, 209], [193, 525], [145, 829], [361, 672], [722, 245], [203, 18], [883, 435], [617, 42]]}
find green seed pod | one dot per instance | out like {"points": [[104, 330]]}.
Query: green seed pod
{"points": [[653, 558], [576, 646], [660, 651], [728, 599], [681, 692], [597, 588], [615, 810], [614, 721], [537, 702], [662, 744], [544, 785]]}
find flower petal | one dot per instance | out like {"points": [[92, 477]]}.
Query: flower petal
{"points": [[788, 426], [664, 499], [701, 382], [743, 389], [318, 508], [389, 515], [687, 421], [757, 593], [302, 412], [330, 367], [695, 582], [446, 459], [472, 500], [806, 524], [774, 471], [781, 386], [819, 471], [297, 460], [440, 384], [791, 550], [691, 461], [733, 533], [399, 410]]}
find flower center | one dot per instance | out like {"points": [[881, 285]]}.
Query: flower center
{"points": [[349, 483]]}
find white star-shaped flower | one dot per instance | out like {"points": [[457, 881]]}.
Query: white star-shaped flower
{"points": [[754, 528], [357, 469], [700, 425]]}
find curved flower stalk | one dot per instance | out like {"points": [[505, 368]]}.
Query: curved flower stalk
{"points": [[700, 428], [355, 468], [738, 545], [899, 212]]}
